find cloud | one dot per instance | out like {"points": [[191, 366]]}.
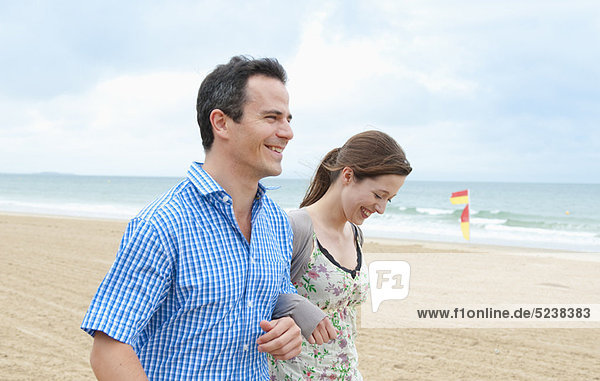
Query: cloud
{"points": [[131, 124], [63, 47], [473, 90], [343, 83]]}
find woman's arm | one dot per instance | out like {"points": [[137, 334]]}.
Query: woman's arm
{"points": [[306, 315], [313, 322]]}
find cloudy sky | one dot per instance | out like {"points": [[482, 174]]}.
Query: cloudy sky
{"points": [[473, 90]]}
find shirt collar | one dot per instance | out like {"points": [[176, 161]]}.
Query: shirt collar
{"points": [[207, 185]]}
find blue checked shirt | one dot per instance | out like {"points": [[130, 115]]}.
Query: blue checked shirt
{"points": [[187, 291]]}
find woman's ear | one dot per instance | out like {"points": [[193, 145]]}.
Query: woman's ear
{"points": [[347, 175], [218, 120]]}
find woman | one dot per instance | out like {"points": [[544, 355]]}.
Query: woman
{"points": [[351, 183]]}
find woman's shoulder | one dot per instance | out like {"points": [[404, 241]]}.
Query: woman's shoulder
{"points": [[300, 221]]}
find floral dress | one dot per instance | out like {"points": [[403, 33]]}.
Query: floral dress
{"points": [[337, 291]]}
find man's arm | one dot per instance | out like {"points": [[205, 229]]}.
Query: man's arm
{"points": [[282, 338], [142, 271], [114, 360]]}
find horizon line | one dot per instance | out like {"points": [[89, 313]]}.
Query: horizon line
{"points": [[283, 177]]}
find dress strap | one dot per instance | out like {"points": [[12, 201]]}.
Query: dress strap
{"points": [[331, 259]]}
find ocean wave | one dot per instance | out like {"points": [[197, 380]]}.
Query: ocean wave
{"points": [[493, 214], [446, 227], [71, 209], [552, 225], [433, 211], [516, 214], [411, 210], [542, 231], [486, 221]]}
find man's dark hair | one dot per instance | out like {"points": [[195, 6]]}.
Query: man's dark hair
{"points": [[225, 89]]}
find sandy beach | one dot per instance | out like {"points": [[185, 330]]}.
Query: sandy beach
{"points": [[51, 266]]}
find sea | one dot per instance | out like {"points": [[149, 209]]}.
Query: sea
{"points": [[551, 216]]}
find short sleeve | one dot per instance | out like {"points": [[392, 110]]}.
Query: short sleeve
{"points": [[134, 287]]}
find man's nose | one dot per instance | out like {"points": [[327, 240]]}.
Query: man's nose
{"points": [[285, 131]]}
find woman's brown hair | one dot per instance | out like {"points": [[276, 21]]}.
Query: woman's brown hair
{"points": [[368, 154]]}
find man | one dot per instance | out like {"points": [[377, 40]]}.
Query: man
{"points": [[199, 271]]}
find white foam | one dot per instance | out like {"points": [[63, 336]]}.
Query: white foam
{"points": [[433, 211], [488, 221], [485, 231], [540, 231], [101, 210]]}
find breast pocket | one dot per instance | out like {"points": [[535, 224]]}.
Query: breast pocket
{"points": [[213, 279]]}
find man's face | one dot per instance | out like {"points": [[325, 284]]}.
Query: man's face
{"points": [[264, 130]]}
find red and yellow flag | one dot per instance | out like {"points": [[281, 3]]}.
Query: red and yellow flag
{"points": [[461, 197], [464, 222]]}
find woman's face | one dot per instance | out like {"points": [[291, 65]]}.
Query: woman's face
{"points": [[362, 198]]}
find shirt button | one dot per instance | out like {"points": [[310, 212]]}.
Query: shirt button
{"points": [[250, 304], [226, 199], [246, 347]]}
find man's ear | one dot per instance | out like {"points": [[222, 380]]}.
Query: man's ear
{"points": [[218, 120]]}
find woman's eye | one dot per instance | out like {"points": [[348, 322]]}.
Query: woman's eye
{"points": [[377, 196]]}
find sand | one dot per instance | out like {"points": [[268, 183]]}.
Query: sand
{"points": [[50, 268]]}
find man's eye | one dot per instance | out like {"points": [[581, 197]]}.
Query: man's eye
{"points": [[377, 196]]}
